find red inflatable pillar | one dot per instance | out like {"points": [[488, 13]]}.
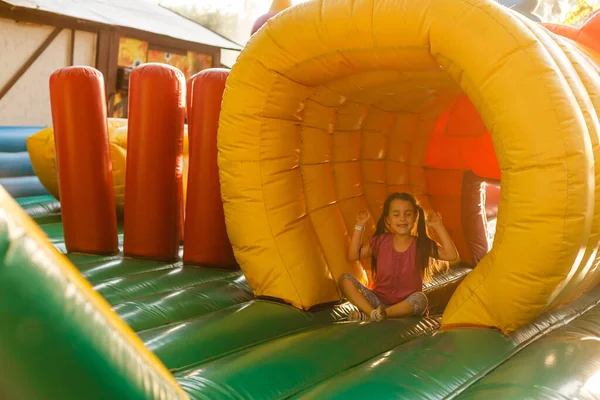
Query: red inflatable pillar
{"points": [[83, 161], [153, 183], [206, 240]]}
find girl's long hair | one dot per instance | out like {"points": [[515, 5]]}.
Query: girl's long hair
{"points": [[427, 250]]}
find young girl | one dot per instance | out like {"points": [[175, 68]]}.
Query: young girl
{"points": [[399, 260]]}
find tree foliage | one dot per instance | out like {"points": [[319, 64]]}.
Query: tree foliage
{"points": [[216, 20], [580, 11]]}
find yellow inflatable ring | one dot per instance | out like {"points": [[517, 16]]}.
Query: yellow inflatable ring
{"points": [[330, 107]]}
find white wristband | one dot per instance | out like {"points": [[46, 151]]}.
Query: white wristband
{"points": [[359, 228]]}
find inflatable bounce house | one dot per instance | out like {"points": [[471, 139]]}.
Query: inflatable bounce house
{"points": [[200, 261]]}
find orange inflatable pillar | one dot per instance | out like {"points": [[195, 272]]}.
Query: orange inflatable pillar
{"points": [[206, 240], [83, 161], [153, 183]]}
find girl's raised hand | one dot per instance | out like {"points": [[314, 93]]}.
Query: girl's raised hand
{"points": [[363, 217], [434, 219]]}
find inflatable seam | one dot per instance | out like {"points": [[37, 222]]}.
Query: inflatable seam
{"points": [[263, 193]]}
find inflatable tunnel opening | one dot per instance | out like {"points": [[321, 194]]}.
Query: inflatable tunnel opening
{"points": [[334, 105]]}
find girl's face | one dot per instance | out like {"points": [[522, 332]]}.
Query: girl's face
{"points": [[402, 217]]}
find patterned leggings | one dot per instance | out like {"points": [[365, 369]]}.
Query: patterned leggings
{"points": [[417, 300]]}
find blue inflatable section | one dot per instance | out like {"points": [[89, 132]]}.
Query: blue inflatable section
{"points": [[15, 164], [16, 172]]}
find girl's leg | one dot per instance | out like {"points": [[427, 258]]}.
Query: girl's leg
{"points": [[415, 304], [400, 310], [371, 308], [349, 287]]}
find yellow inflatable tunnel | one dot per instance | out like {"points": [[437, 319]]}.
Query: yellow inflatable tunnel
{"points": [[332, 105]]}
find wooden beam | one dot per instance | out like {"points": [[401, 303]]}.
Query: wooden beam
{"points": [[72, 48], [216, 57], [102, 45], [113, 63], [107, 57], [36, 54]]}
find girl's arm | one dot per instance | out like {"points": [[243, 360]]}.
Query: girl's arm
{"points": [[446, 249], [356, 252]]}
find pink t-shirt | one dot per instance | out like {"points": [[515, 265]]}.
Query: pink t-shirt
{"points": [[397, 274]]}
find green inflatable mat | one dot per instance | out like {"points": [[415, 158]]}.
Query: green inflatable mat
{"points": [[561, 365], [43, 209], [119, 267], [442, 365], [198, 340], [284, 366], [220, 343], [165, 308], [58, 340], [119, 290], [55, 232]]}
